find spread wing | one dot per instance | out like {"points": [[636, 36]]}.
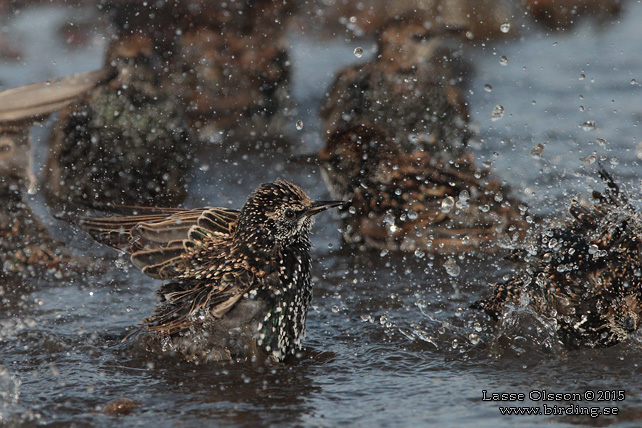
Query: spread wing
{"points": [[162, 240], [189, 246], [184, 245], [23, 105]]}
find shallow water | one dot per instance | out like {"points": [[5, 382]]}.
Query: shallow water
{"points": [[391, 341]]}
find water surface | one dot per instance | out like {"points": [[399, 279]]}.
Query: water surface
{"points": [[391, 341]]}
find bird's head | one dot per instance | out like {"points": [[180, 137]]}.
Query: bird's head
{"points": [[279, 212], [410, 38]]}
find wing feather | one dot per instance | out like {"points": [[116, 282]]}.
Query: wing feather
{"points": [[27, 103], [170, 244], [149, 229]]}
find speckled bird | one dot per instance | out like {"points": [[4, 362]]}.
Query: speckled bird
{"points": [[240, 280], [584, 277], [126, 142], [401, 201], [227, 62], [26, 244], [411, 89], [233, 68]]}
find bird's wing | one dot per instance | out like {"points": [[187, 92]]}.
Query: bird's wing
{"points": [[188, 256], [25, 104], [161, 242], [183, 300]]}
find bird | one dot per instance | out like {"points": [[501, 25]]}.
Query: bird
{"points": [[27, 247], [125, 142], [226, 62], [412, 201], [239, 280], [410, 88], [482, 18], [584, 276], [233, 67]]}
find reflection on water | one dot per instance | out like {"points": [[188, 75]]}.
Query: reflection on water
{"points": [[391, 340]]}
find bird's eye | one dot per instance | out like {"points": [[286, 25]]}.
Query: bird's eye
{"points": [[289, 213]]}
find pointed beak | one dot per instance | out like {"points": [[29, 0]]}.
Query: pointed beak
{"points": [[319, 206]]}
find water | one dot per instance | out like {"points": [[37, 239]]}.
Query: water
{"points": [[391, 341]]}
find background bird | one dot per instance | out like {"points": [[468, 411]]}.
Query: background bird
{"points": [[240, 280], [585, 277], [126, 142], [232, 67], [26, 244], [411, 88], [412, 201]]}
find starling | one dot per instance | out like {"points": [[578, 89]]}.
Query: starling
{"points": [[409, 202], [482, 18], [226, 62], [234, 69], [410, 89], [126, 142], [584, 277], [240, 280], [26, 245]]}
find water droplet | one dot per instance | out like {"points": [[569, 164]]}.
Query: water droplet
{"points": [[582, 76], [474, 338], [488, 88], [589, 125], [498, 113], [634, 82], [383, 319], [452, 268], [503, 60], [367, 318], [588, 160], [614, 161], [299, 125], [447, 204], [540, 279], [358, 52], [505, 27], [538, 150], [601, 142], [335, 309], [638, 150]]}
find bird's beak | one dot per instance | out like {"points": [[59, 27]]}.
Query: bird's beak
{"points": [[319, 206]]}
